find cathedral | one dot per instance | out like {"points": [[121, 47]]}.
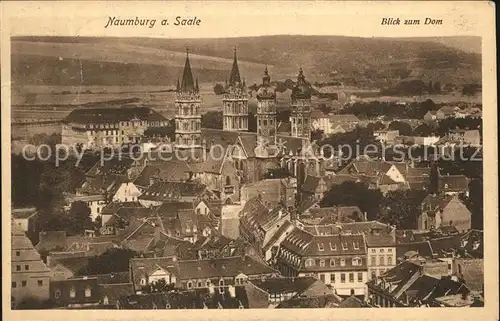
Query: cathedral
{"points": [[249, 156]]}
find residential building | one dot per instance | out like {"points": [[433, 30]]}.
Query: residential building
{"points": [[95, 203], [337, 260], [333, 124], [386, 136], [218, 274], [94, 128], [30, 275], [443, 210], [409, 284]]}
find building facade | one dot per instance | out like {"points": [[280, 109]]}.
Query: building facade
{"points": [[235, 101], [97, 128], [188, 112]]}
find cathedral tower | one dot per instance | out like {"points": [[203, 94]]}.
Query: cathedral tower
{"points": [[300, 113], [266, 110], [187, 111], [235, 101]]}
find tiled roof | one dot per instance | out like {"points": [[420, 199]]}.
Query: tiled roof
{"points": [[167, 191], [472, 272], [353, 302], [424, 249], [284, 127], [72, 264], [51, 240], [284, 285], [112, 115]]}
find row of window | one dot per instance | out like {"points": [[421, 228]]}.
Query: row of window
{"points": [[298, 121], [342, 277], [356, 261], [381, 260], [381, 250], [18, 267], [123, 123], [333, 247], [72, 292], [25, 283]]}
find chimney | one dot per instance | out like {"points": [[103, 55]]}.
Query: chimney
{"points": [[365, 216]]}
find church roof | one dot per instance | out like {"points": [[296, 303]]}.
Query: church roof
{"points": [[302, 90], [187, 83], [234, 77]]}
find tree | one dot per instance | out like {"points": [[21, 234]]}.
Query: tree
{"points": [[404, 128], [79, 215], [33, 303], [219, 89], [401, 208], [161, 286], [423, 130], [475, 203], [212, 119], [317, 135], [354, 194], [375, 126], [434, 179], [112, 261]]}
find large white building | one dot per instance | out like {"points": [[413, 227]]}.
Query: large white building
{"points": [[95, 128]]}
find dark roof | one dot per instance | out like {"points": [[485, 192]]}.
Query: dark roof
{"points": [[284, 285], [51, 240], [112, 115], [168, 191], [234, 77], [472, 272], [353, 302], [113, 207], [187, 83], [310, 184], [73, 264], [327, 300], [23, 213], [422, 248]]}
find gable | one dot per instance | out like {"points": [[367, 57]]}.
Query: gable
{"points": [[159, 272]]}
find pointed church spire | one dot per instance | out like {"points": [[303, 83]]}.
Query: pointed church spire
{"points": [[234, 77], [266, 79], [187, 83]]}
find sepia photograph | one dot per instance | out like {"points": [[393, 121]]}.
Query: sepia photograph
{"points": [[257, 170]]}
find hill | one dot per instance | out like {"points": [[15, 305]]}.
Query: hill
{"points": [[363, 62]]}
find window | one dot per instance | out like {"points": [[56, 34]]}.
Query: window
{"points": [[322, 263], [321, 247], [389, 250], [199, 284], [40, 282], [198, 211], [333, 247], [309, 262], [23, 283], [381, 250], [27, 267], [389, 260], [374, 274], [18, 253], [88, 292], [355, 245], [189, 284], [14, 285], [18, 268], [322, 277], [332, 277], [57, 294], [381, 260], [356, 261], [360, 277], [143, 281], [342, 277], [342, 262], [344, 246], [207, 283], [332, 262], [221, 282], [351, 277], [374, 250]]}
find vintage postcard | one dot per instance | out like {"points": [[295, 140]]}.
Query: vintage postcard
{"points": [[249, 160]]}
